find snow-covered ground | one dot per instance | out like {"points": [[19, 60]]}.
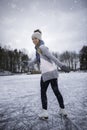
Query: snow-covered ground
{"points": [[20, 102], [5, 73]]}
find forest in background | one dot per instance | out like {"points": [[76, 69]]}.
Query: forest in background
{"points": [[11, 60]]}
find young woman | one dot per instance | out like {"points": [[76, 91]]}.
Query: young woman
{"points": [[49, 73]]}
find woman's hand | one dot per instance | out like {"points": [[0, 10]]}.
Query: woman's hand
{"points": [[65, 68], [25, 63]]}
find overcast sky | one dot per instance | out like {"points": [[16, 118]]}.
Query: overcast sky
{"points": [[62, 22]]}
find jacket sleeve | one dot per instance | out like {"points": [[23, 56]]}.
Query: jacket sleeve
{"points": [[32, 62], [45, 51]]}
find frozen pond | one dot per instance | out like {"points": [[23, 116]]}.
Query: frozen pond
{"points": [[20, 103]]}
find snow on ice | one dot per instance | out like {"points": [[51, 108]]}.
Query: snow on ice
{"points": [[20, 103]]}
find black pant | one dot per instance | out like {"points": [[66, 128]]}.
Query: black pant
{"points": [[54, 85]]}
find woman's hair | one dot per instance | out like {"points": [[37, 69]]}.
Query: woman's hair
{"points": [[37, 30]]}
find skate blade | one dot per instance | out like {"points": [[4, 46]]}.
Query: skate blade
{"points": [[43, 118], [63, 115]]}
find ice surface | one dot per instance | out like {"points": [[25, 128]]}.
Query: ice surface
{"points": [[20, 103]]}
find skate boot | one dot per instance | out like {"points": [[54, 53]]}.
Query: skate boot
{"points": [[62, 112], [44, 114]]}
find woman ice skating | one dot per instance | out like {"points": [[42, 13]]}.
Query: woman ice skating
{"points": [[49, 73]]}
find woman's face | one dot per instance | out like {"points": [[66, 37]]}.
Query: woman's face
{"points": [[35, 41]]}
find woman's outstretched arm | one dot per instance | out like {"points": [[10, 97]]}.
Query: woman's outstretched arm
{"points": [[45, 51], [32, 62]]}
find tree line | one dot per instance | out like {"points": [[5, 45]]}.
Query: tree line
{"points": [[11, 60], [70, 59], [75, 61]]}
